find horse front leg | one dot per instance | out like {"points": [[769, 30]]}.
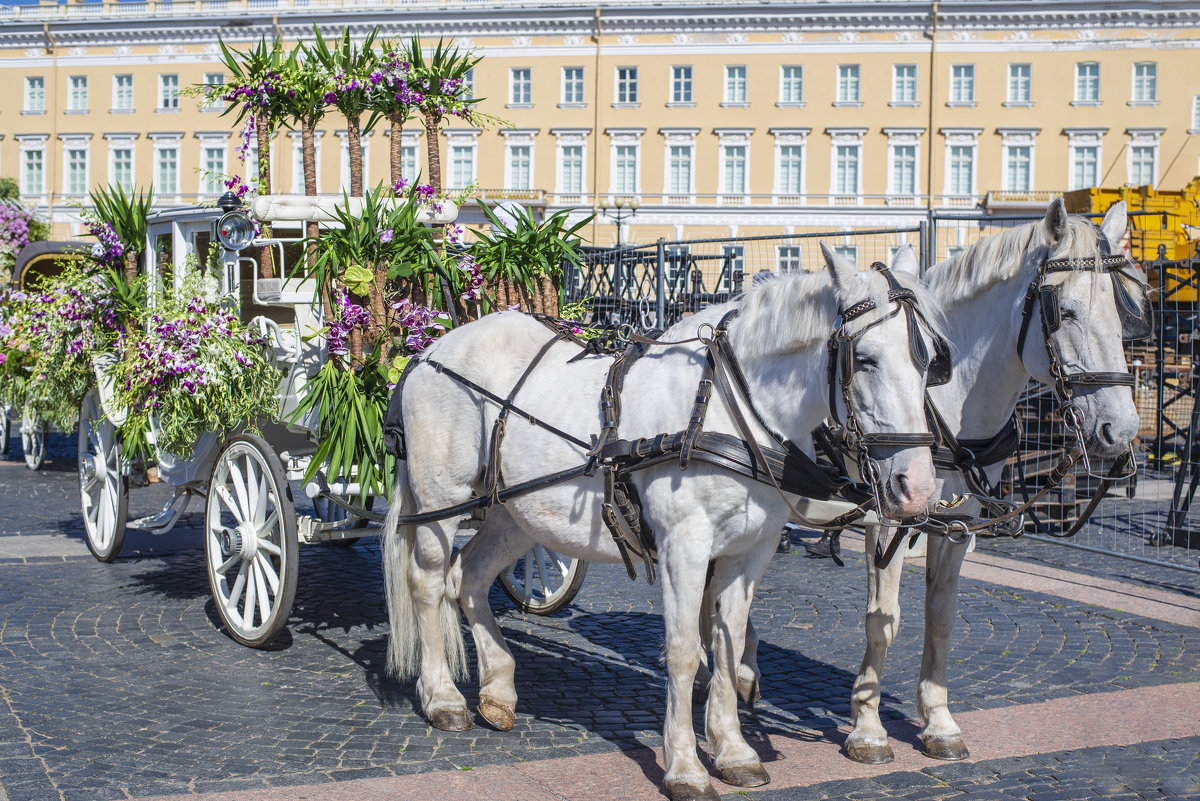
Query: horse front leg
{"points": [[868, 742], [941, 735], [734, 582], [441, 643], [498, 543], [683, 561], [748, 673]]}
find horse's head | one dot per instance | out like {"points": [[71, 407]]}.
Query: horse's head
{"points": [[1090, 298], [880, 358]]}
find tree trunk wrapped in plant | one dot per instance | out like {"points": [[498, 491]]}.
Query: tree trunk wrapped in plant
{"points": [[394, 100], [349, 88], [440, 82], [118, 221]]}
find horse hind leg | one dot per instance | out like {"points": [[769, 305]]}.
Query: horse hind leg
{"points": [[495, 546], [941, 736], [868, 742], [748, 674]]}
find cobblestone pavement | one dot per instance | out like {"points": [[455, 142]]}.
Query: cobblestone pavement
{"points": [[115, 680]]}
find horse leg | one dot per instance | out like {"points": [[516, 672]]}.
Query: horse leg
{"points": [[941, 735], [497, 544], [442, 657], [868, 742], [734, 581], [748, 673], [682, 576]]}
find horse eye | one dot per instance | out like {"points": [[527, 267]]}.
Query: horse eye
{"points": [[1068, 314], [864, 361]]}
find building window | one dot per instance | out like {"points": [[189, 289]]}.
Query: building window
{"points": [[1018, 172], [1196, 113], [462, 165], [168, 92], [847, 252], [520, 165], [735, 84], [733, 267], [215, 81], [904, 170], [77, 93], [33, 172], [846, 169], [570, 161], [35, 94], [1087, 82], [250, 158], [625, 178], [520, 86], [789, 259], [681, 84], [77, 171], [572, 85], [1085, 166], [791, 169], [847, 84], [627, 85], [962, 83], [167, 171], [214, 169], [1020, 83], [408, 161], [467, 90], [679, 180], [791, 84], [733, 159], [904, 83], [1145, 82], [1141, 165], [122, 93], [122, 168], [962, 169]]}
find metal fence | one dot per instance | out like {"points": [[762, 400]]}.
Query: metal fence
{"points": [[1152, 518]]}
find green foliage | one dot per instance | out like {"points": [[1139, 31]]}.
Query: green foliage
{"points": [[351, 405], [346, 62], [125, 213], [9, 189], [441, 79], [522, 250]]}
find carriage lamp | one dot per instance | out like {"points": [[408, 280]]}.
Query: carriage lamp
{"points": [[235, 230], [228, 202]]}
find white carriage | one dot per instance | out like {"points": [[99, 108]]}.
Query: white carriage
{"points": [[252, 530]]}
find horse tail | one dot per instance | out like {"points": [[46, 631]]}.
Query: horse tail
{"points": [[404, 656]]}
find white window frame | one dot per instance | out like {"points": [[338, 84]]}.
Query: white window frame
{"points": [[961, 137], [219, 105], [564, 138], [520, 87], [1014, 138], [962, 85], [849, 86], [77, 94], [467, 90], [1195, 129], [212, 186], [32, 143], [577, 97], [1141, 82], [1083, 137], [786, 80], [519, 138], [789, 137], [76, 142], [795, 260], [681, 78], [1089, 81], [684, 138], [903, 137], [625, 86], [1019, 82], [736, 86], [462, 139], [164, 142], [1143, 138], [168, 97], [118, 142], [839, 138], [117, 106], [728, 138], [32, 94], [898, 101], [624, 137]]}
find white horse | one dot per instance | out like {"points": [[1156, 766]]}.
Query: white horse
{"points": [[983, 293], [703, 515]]}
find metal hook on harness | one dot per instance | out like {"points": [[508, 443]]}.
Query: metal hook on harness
{"points": [[962, 526]]}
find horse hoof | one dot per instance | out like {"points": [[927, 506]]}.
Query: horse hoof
{"points": [[687, 792], [451, 720], [749, 775], [869, 753], [951, 749], [748, 691], [500, 716]]}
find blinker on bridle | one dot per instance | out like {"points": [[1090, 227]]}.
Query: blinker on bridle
{"points": [[1135, 324]]}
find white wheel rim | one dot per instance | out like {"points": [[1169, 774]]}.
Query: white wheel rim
{"points": [[541, 576], [100, 491], [247, 580]]}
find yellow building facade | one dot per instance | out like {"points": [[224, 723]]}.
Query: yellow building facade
{"points": [[720, 119]]}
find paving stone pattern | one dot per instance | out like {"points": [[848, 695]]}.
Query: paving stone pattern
{"points": [[1156, 770], [116, 678]]}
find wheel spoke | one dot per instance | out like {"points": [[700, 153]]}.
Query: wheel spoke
{"points": [[268, 546], [235, 594], [251, 593], [264, 600], [268, 572], [222, 493], [223, 568], [541, 569], [261, 496], [527, 587], [238, 480]]}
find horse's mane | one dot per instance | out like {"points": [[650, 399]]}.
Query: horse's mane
{"points": [[797, 311], [1000, 257]]}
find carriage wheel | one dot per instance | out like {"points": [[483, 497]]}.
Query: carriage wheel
{"points": [[543, 581], [250, 542], [33, 440], [103, 491]]}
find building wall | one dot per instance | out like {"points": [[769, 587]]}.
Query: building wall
{"points": [[60, 42]]}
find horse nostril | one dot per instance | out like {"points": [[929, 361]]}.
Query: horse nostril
{"points": [[902, 486], [1106, 433]]}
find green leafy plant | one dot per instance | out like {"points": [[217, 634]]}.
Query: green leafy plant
{"points": [[521, 250], [125, 216], [440, 82], [349, 88]]}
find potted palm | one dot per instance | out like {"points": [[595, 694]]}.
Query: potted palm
{"points": [[348, 70]]}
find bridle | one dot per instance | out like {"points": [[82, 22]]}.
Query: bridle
{"points": [[852, 440], [1135, 325]]}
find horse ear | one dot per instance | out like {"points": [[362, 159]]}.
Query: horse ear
{"points": [[842, 272], [1114, 222], [905, 261], [1055, 222]]}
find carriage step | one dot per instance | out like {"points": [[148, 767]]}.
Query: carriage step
{"points": [[165, 519]]}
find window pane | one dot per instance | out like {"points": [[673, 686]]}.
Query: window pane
{"points": [[462, 165], [168, 91], [735, 169], [1087, 81], [77, 99], [1145, 81], [791, 84], [847, 90], [904, 83], [681, 84], [627, 88], [33, 180], [680, 181], [847, 170], [1020, 83], [168, 171], [962, 83], [122, 167], [408, 162], [791, 160], [962, 158], [77, 171], [904, 169], [789, 259], [521, 89], [571, 161], [1019, 159], [35, 94], [214, 169], [1142, 165], [733, 266], [626, 177], [518, 167], [1084, 173], [735, 84], [572, 85]]}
